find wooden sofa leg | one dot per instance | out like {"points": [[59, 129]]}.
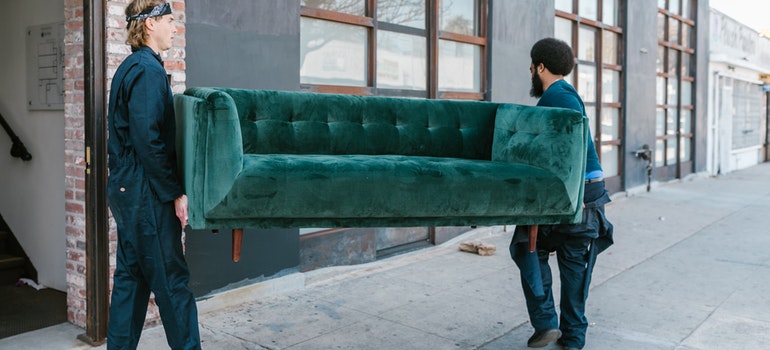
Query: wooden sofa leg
{"points": [[532, 238], [237, 241]]}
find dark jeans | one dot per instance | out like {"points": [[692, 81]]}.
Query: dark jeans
{"points": [[576, 250]]}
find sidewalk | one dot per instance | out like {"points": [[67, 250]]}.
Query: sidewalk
{"points": [[689, 270]]}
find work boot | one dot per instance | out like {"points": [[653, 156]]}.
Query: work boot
{"points": [[543, 338]]}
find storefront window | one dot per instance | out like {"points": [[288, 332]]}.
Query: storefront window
{"points": [[401, 61], [458, 66], [405, 13], [588, 10], [390, 47], [610, 12], [564, 5], [610, 44], [598, 77], [587, 83], [587, 40], [459, 16], [563, 30], [332, 53], [674, 125]]}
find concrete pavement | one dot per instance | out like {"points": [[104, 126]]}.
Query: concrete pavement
{"points": [[688, 271]]}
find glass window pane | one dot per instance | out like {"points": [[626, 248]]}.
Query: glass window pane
{"points": [[671, 122], [610, 124], [586, 44], [673, 91], [673, 6], [662, 4], [610, 47], [406, 13], [661, 91], [686, 64], [660, 122], [401, 61], [570, 78], [563, 30], [661, 26], [684, 144], [685, 121], [332, 53], [459, 66], [687, 34], [673, 60], [610, 160], [686, 9], [661, 61], [609, 12], [353, 7], [748, 115], [586, 86], [671, 151], [591, 114], [610, 86], [673, 30], [564, 5], [660, 147], [686, 93], [457, 16], [588, 9]]}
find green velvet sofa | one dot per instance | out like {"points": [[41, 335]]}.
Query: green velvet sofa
{"points": [[264, 159]]}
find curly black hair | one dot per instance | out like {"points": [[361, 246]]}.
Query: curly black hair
{"points": [[554, 54]]}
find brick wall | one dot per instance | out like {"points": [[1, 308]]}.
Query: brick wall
{"points": [[74, 138]]}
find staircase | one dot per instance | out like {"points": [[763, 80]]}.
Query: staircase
{"points": [[13, 262]]}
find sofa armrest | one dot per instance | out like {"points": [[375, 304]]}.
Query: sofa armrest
{"points": [[210, 148], [553, 139]]}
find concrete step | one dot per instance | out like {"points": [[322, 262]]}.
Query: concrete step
{"points": [[3, 239], [11, 268], [9, 261]]}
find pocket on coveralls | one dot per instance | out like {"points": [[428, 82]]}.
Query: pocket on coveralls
{"points": [[131, 207]]}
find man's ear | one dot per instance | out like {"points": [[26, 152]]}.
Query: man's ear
{"points": [[149, 23]]}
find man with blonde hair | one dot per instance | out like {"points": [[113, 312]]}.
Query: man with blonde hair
{"points": [[145, 195]]}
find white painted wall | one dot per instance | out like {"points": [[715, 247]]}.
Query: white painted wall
{"points": [[737, 53], [32, 193]]}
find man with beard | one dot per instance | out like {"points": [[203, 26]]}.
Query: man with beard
{"points": [[576, 245]]}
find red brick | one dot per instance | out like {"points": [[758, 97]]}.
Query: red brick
{"points": [[72, 207]]}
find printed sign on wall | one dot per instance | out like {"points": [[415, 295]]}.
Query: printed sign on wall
{"points": [[45, 67]]}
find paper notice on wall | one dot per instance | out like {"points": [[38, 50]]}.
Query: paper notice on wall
{"points": [[45, 67]]}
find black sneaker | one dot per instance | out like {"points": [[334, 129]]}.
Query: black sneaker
{"points": [[543, 338]]}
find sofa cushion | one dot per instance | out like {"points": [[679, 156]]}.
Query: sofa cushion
{"points": [[304, 123], [389, 188]]}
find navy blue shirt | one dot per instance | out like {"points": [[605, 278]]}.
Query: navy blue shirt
{"points": [[142, 124], [562, 94]]}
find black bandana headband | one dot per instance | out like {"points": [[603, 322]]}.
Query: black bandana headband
{"points": [[160, 10]]}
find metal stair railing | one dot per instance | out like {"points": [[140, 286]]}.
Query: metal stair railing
{"points": [[18, 150]]}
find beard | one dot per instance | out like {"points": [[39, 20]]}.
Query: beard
{"points": [[537, 85]]}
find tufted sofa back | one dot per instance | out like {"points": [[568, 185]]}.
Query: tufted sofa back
{"points": [[308, 123]]}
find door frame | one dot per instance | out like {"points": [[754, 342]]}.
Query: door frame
{"points": [[96, 215]]}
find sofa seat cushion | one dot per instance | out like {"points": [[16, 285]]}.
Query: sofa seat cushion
{"points": [[307, 187]]}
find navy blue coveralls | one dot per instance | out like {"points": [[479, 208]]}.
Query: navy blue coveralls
{"points": [[576, 247], [141, 190]]}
